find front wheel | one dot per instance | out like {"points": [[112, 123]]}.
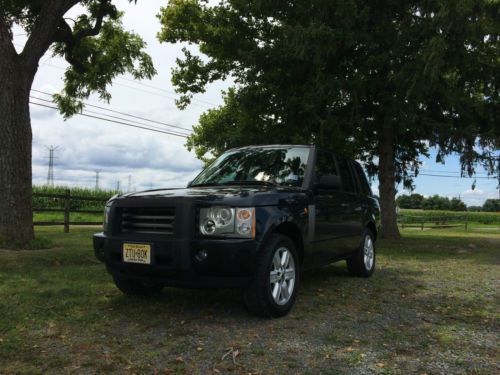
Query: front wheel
{"points": [[274, 289], [362, 264]]}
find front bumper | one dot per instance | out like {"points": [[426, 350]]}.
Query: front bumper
{"points": [[229, 262]]}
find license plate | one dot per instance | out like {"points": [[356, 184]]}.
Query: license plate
{"points": [[137, 253]]}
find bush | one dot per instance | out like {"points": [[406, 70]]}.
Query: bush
{"points": [[413, 216]]}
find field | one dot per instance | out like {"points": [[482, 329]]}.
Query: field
{"points": [[488, 218], [432, 307]]}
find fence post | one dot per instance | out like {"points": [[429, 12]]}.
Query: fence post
{"points": [[67, 204]]}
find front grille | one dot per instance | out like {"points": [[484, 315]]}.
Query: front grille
{"points": [[148, 220]]}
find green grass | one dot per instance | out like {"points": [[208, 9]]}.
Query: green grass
{"points": [[431, 307], [73, 216]]}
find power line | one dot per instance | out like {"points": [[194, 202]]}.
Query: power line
{"points": [[164, 91], [111, 116], [118, 112], [116, 122], [451, 172], [448, 176]]}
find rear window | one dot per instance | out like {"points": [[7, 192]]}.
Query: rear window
{"points": [[346, 175], [363, 181]]}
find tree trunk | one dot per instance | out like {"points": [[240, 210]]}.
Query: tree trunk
{"points": [[387, 185], [16, 220]]}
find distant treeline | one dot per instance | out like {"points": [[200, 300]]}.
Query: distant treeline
{"points": [[44, 202], [436, 202]]}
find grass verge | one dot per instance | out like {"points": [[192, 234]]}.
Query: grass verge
{"points": [[431, 307]]}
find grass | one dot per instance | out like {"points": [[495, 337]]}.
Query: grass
{"points": [[73, 217], [431, 307]]}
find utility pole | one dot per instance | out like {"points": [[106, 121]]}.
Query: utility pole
{"points": [[129, 183], [97, 179], [50, 174], [118, 186]]}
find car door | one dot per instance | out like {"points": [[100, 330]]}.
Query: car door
{"points": [[351, 207], [329, 216]]}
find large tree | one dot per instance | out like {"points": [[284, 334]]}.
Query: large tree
{"points": [[97, 48], [381, 80]]}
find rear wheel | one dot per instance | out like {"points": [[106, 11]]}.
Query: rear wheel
{"points": [[363, 262], [135, 288], [274, 289]]}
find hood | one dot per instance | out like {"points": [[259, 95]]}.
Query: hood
{"points": [[223, 195]]}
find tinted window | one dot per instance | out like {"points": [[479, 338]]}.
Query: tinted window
{"points": [[280, 165], [363, 181], [346, 175], [325, 164]]}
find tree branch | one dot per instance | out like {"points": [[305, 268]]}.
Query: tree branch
{"points": [[42, 34], [6, 45], [104, 10], [65, 34]]}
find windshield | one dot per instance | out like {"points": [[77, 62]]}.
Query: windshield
{"points": [[266, 165]]}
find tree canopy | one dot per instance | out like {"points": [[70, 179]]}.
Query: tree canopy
{"points": [[382, 81]]}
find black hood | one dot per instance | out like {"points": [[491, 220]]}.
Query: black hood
{"points": [[223, 195]]}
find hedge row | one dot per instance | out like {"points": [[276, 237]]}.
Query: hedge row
{"points": [[413, 216], [43, 202]]}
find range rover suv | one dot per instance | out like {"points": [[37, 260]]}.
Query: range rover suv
{"points": [[254, 219]]}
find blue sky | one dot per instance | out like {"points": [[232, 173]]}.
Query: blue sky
{"points": [[453, 186]]}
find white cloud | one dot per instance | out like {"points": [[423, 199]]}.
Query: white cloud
{"points": [[87, 144], [477, 197]]}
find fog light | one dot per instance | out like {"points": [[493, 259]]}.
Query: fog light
{"points": [[201, 255]]}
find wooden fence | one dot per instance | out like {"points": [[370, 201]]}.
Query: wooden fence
{"points": [[432, 222], [66, 199]]}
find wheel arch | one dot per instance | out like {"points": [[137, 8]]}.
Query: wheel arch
{"points": [[292, 231], [371, 225]]}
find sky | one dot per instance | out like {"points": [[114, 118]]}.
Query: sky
{"points": [[136, 159]]}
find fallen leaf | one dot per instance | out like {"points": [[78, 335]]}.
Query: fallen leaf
{"points": [[179, 360], [199, 349], [380, 364]]}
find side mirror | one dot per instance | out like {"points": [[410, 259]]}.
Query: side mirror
{"points": [[330, 182]]}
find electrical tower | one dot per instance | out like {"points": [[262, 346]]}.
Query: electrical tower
{"points": [[97, 179], [50, 174], [129, 183]]}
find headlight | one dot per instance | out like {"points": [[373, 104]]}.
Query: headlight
{"points": [[106, 212], [228, 221]]}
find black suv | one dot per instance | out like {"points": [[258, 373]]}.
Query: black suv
{"points": [[254, 219]]}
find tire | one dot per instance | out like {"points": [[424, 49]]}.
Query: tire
{"points": [[274, 289], [135, 288], [360, 265]]}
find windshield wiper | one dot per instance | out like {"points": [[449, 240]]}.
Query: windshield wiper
{"points": [[249, 182]]}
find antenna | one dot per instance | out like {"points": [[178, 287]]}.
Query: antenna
{"points": [[50, 174]]}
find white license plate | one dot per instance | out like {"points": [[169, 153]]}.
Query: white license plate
{"points": [[137, 253]]}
